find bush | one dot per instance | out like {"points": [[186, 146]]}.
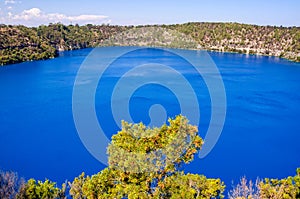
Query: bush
{"points": [[245, 190], [9, 184], [287, 188], [41, 190]]}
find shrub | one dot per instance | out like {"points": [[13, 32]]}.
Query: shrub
{"points": [[9, 184], [245, 190], [41, 190]]}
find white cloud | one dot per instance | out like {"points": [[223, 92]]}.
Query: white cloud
{"points": [[35, 17], [10, 2], [26, 15]]}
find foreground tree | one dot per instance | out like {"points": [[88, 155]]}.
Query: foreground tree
{"points": [[145, 163]]}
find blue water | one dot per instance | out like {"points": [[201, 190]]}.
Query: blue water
{"points": [[260, 138]]}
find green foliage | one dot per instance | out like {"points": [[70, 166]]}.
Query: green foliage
{"points": [[40, 190], [20, 43], [76, 186], [111, 183], [180, 185], [131, 175], [287, 188], [137, 148]]}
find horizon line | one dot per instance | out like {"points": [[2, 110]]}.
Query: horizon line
{"points": [[155, 24]]}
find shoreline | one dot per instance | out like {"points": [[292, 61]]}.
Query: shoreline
{"points": [[20, 43], [195, 49]]}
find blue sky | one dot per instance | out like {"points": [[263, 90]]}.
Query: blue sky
{"points": [[134, 12]]}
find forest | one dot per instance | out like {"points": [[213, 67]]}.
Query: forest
{"points": [[19, 43]]}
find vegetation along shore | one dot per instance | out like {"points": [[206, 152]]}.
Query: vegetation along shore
{"points": [[19, 43]]}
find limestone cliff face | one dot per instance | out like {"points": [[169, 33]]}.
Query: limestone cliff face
{"points": [[243, 38], [152, 36]]}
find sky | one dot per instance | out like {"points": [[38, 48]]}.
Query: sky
{"points": [[140, 12]]}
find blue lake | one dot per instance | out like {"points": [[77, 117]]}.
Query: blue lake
{"points": [[260, 138]]}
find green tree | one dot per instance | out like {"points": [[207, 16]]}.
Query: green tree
{"points": [[144, 163], [41, 190]]}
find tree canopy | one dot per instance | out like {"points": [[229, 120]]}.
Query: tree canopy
{"points": [[145, 163]]}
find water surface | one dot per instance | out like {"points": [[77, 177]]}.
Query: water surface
{"points": [[261, 135]]}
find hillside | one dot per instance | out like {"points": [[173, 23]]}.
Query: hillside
{"points": [[152, 36], [20, 43], [243, 38]]}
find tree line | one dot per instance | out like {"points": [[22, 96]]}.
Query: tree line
{"points": [[19, 43]]}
